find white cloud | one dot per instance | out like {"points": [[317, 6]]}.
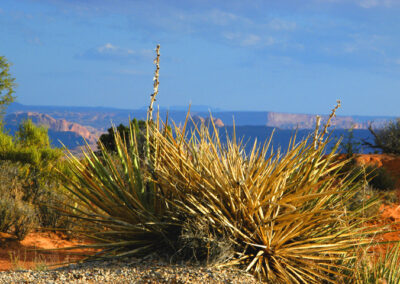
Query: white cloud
{"points": [[220, 17], [249, 40], [110, 51], [106, 47]]}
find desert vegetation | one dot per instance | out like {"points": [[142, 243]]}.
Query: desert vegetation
{"points": [[298, 215], [386, 139]]}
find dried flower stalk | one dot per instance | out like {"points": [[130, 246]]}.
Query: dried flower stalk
{"points": [[155, 85], [319, 137]]}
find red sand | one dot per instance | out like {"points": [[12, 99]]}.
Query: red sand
{"points": [[389, 162], [16, 254]]}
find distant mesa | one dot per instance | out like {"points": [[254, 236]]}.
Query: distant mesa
{"points": [[99, 118], [307, 121], [60, 126], [197, 119]]}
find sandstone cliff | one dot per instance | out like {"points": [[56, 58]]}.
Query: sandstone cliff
{"points": [[90, 134]]}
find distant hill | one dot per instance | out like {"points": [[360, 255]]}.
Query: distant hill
{"points": [[73, 124], [100, 118], [69, 133]]}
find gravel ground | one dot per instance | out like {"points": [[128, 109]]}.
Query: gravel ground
{"points": [[130, 270]]}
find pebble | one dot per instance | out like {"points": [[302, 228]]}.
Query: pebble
{"points": [[130, 270]]}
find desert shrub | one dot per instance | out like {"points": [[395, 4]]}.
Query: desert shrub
{"points": [[199, 243], [7, 214], [48, 209], [380, 178], [16, 217], [377, 177], [28, 176], [25, 220], [15, 214], [386, 139], [108, 139]]}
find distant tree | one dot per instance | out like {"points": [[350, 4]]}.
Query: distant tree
{"points": [[108, 139], [387, 139], [7, 85], [349, 145]]}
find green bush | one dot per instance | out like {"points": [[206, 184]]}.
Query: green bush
{"points": [[28, 176], [386, 139], [7, 214], [25, 220], [17, 218], [108, 139], [377, 177], [48, 210]]}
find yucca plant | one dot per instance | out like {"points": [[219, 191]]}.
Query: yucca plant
{"points": [[120, 208], [125, 211], [284, 214]]}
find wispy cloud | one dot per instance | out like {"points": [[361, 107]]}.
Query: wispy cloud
{"points": [[110, 51], [376, 3], [282, 25], [315, 31], [366, 4], [249, 40], [219, 17]]}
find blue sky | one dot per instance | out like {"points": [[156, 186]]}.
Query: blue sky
{"points": [[289, 55]]}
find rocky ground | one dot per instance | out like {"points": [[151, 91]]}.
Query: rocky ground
{"points": [[131, 270]]}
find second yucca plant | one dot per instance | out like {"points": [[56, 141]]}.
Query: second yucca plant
{"points": [[285, 215]]}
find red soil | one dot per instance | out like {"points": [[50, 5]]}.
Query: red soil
{"points": [[390, 214], [26, 254], [389, 162]]}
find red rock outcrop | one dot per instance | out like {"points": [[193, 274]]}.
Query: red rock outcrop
{"points": [[61, 125]]}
